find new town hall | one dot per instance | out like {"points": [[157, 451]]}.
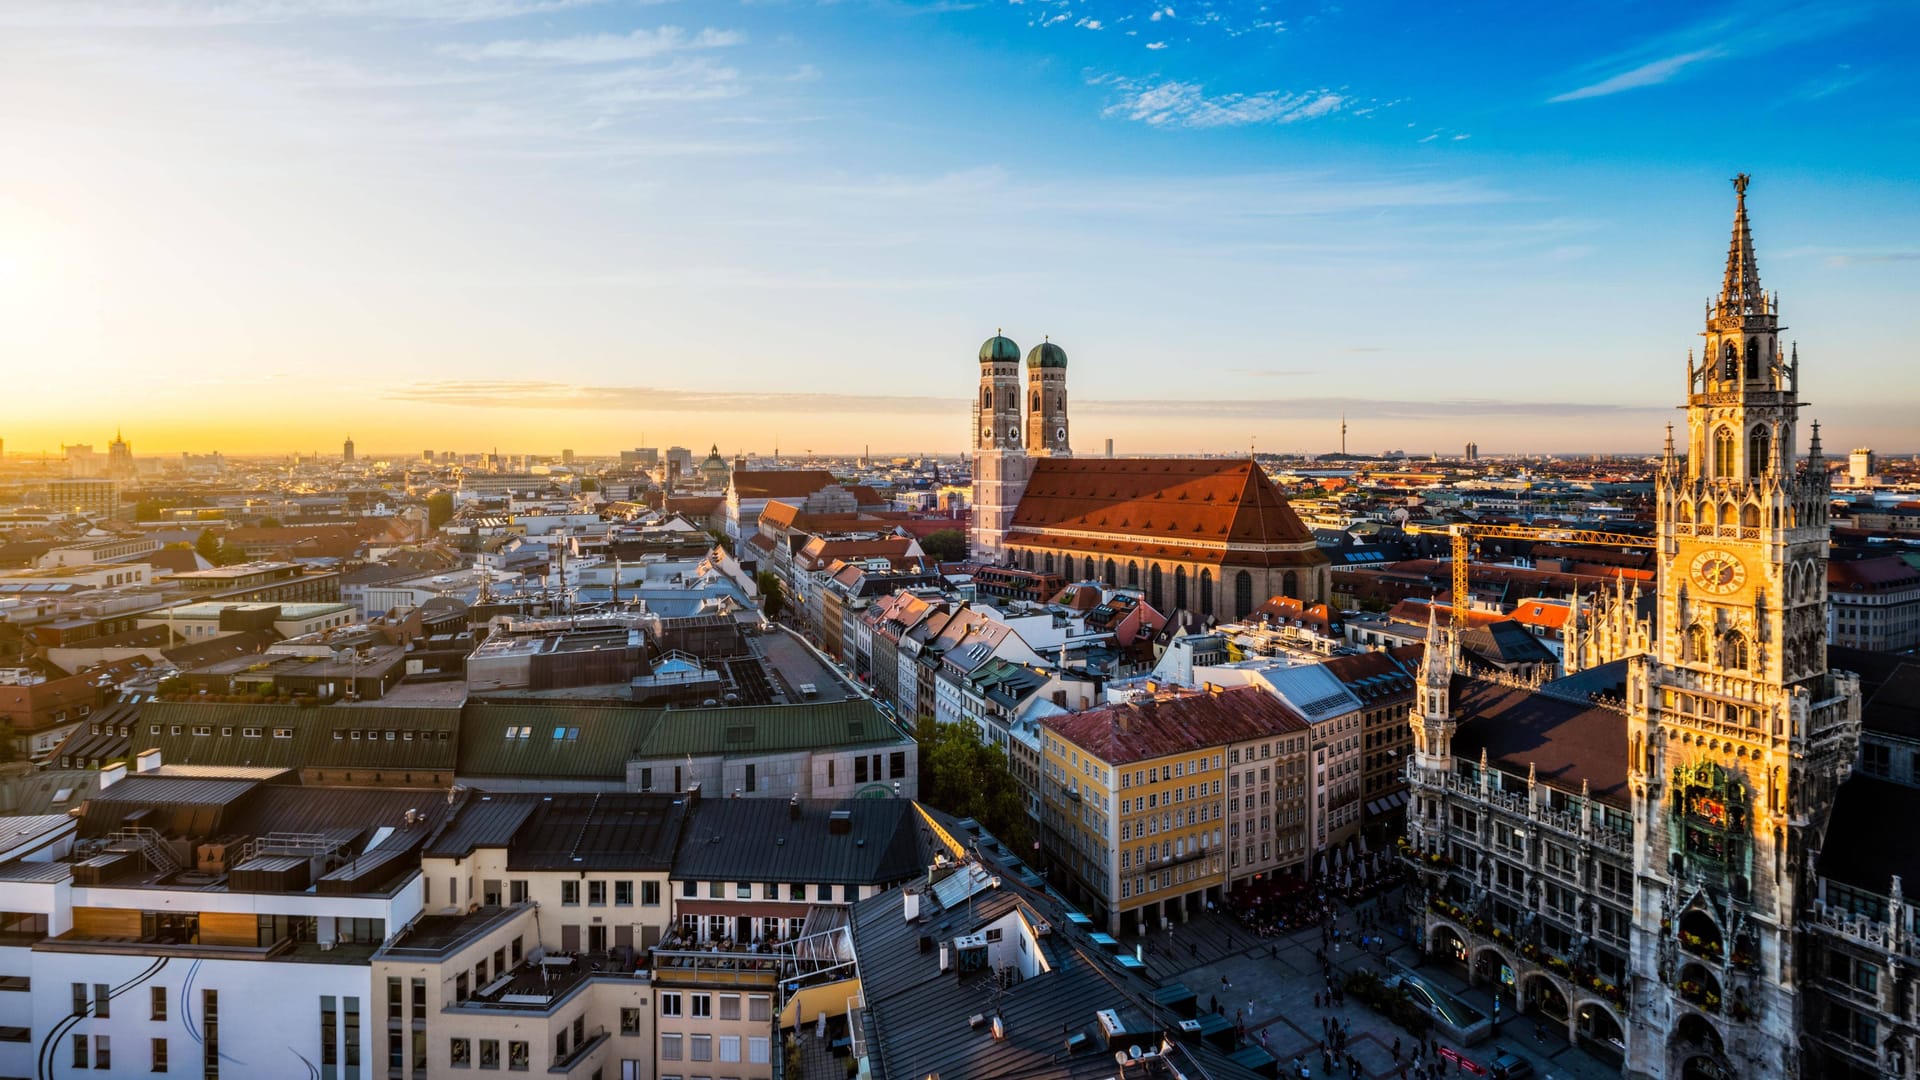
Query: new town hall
{"points": [[1666, 850]]}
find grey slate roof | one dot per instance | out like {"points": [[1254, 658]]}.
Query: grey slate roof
{"points": [[612, 831], [760, 840]]}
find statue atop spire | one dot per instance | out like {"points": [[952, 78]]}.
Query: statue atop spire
{"points": [[1740, 293]]}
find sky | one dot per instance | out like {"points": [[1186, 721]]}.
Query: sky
{"points": [[256, 226]]}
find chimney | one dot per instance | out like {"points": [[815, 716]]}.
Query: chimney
{"points": [[793, 811], [147, 761], [112, 774], [911, 904]]}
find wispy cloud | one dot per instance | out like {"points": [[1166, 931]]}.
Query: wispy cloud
{"points": [[1652, 73], [598, 48], [1858, 258], [511, 394], [1748, 30], [1172, 103], [133, 14]]}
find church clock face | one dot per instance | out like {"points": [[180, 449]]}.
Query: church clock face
{"points": [[1013, 434], [1718, 571], [1060, 434]]}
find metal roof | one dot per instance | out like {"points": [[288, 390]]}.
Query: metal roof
{"points": [[344, 736], [762, 840]]}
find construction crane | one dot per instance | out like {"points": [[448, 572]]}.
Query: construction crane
{"points": [[1463, 535]]}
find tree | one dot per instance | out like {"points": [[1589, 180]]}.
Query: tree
{"points": [[773, 593], [147, 510], [966, 776], [439, 509], [946, 545], [722, 539], [208, 546], [269, 522]]}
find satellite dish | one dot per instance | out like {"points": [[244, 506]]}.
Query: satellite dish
{"points": [[1120, 1057], [1133, 1052]]}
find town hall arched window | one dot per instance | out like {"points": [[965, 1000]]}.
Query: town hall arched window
{"points": [[1759, 452], [1733, 651], [1723, 453], [1753, 358], [1730, 362], [1242, 595], [1696, 644]]}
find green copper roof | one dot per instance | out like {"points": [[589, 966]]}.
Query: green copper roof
{"points": [[1047, 355], [1000, 349]]}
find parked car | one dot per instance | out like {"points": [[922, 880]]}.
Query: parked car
{"points": [[1507, 1065]]}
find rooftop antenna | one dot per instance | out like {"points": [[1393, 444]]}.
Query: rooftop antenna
{"points": [[1343, 433]]}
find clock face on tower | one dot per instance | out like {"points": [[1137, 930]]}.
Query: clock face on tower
{"points": [[1718, 571]]}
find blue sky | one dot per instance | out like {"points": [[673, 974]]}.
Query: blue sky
{"points": [[257, 224]]}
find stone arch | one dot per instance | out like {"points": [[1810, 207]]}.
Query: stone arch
{"points": [[1729, 362], [1723, 460], [1749, 516], [1735, 653], [1133, 574], [1686, 511], [1180, 586], [1696, 644], [1242, 594], [1706, 513], [1447, 942], [986, 399], [1487, 962], [1205, 586], [1542, 993], [1598, 1026], [1156, 593], [1111, 573], [1049, 562], [1036, 402], [1729, 512]]}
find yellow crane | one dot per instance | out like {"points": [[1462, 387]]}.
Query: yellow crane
{"points": [[1463, 535]]}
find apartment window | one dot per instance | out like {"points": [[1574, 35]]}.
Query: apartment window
{"points": [[860, 769], [646, 779], [489, 1053], [759, 1007], [79, 999], [159, 994], [757, 1049], [159, 1054], [700, 1048], [702, 1006], [670, 1003], [729, 1006], [597, 893], [670, 1048], [650, 894], [897, 765], [519, 1055], [80, 1052], [393, 999], [729, 1048], [420, 999], [350, 1035], [517, 892], [750, 779], [629, 1021], [570, 893], [623, 894], [210, 1034], [329, 1049], [460, 1053]]}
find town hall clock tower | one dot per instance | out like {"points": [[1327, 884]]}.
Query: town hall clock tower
{"points": [[1738, 735]]}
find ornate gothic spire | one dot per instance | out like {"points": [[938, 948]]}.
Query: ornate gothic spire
{"points": [[1740, 290]]}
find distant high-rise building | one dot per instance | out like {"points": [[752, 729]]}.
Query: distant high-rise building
{"points": [[1860, 466], [426, 456], [1109, 447], [679, 460], [566, 457], [119, 457], [346, 450], [91, 496]]}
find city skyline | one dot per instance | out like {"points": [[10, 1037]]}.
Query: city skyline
{"points": [[252, 227]]}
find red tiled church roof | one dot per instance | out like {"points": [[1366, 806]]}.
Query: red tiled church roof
{"points": [[1166, 508], [780, 483]]}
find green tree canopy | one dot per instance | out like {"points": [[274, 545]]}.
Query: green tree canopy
{"points": [[966, 776], [773, 593], [269, 522], [947, 545], [439, 509], [147, 510]]}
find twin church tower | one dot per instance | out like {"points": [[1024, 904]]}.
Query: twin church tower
{"points": [[1003, 456]]}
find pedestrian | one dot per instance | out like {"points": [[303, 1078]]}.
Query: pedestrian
{"points": [[1224, 984], [1396, 1048], [1273, 953], [1316, 999]]}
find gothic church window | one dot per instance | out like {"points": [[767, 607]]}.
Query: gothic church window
{"points": [[1036, 401], [1154, 594], [1730, 362], [1290, 585], [1753, 358], [1180, 586], [1110, 572], [986, 398], [1759, 452], [1733, 651], [1696, 644], [1723, 453], [1206, 592], [1242, 595], [1133, 575]]}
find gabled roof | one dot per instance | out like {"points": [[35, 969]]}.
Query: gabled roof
{"points": [[1137, 731], [780, 483], [1170, 501], [341, 736], [1565, 742]]}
